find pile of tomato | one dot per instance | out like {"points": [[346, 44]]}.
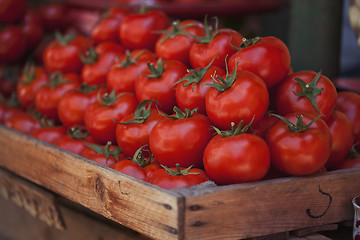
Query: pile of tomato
{"points": [[172, 103]]}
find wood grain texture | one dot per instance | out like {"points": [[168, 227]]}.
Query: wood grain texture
{"points": [[140, 206]]}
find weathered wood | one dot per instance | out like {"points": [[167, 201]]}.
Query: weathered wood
{"points": [[140, 206], [39, 202], [307, 231]]}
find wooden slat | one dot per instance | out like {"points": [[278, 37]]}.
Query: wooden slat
{"points": [[258, 209], [140, 206]]}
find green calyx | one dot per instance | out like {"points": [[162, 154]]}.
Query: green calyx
{"points": [[85, 88], [299, 125], [56, 79], [142, 112], [41, 119], [156, 72], [128, 60], [178, 171], [240, 129], [310, 90], [64, 39], [140, 159], [179, 114], [175, 30], [89, 57], [245, 43], [210, 34], [29, 74], [108, 99], [353, 153], [221, 84], [105, 150], [195, 76], [78, 132]]}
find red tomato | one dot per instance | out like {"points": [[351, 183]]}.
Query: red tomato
{"points": [[100, 116], [12, 44], [192, 88], [342, 138], [31, 80], [106, 155], [138, 30], [158, 83], [260, 129], [22, 122], [215, 44], [49, 134], [62, 54], [349, 103], [9, 76], [75, 140], [175, 44], [236, 157], [54, 16], [48, 97], [173, 178], [32, 28], [130, 168], [244, 97], [181, 139], [11, 11], [108, 46], [352, 160], [267, 57], [127, 69], [72, 107], [296, 148], [321, 91], [3, 110]]}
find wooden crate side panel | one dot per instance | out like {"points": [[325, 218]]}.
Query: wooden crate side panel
{"points": [[135, 204], [267, 207]]}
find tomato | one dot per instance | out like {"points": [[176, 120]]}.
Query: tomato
{"points": [[349, 103], [298, 148], [241, 96], [138, 30], [31, 80], [22, 122], [106, 155], [260, 129], [352, 160], [62, 54], [158, 83], [127, 69], [175, 44], [75, 140], [3, 110], [109, 46], [267, 57], [342, 138], [306, 91], [12, 44], [48, 97], [236, 157], [133, 131], [71, 108], [50, 134], [54, 16], [192, 88], [32, 28], [9, 75], [130, 168], [181, 138], [96, 66], [100, 116], [215, 44], [177, 177], [11, 11]]}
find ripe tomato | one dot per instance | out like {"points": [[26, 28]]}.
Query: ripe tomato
{"points": [[72, 107], [133, 131], [75, 140], [193, 87], [138, 30], [22, 122], [298, 148], [127, 69], [267, 57], [12, 44], [260, 129], [349, 103], [100, 116], [342, 138], [241, 96], [54, 16], [130, 168], [215, 44], [11, 11], [157, 83], [106, 155], [32, 28], [48, 96], [62, 54], [177, 177], [352, 160], [175, 44], [236, 157], [109, 46], [50, 134], [306, 91], [31, 80], [181, 138]]}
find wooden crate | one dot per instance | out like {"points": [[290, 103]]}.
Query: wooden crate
{"points": [[205, 211]]}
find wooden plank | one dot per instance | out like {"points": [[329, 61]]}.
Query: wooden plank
{"points": [[271, 206], [39, 202], [140, 206]]}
